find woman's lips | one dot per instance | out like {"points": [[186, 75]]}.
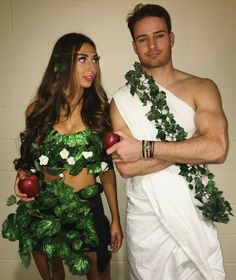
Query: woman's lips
{"points": [[89, 78]]}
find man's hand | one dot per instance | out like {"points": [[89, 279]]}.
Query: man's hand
{"points": [[127, 150]]}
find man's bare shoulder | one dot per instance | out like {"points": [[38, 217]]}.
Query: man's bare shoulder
{"points": [[193, 82], [191, 88]]}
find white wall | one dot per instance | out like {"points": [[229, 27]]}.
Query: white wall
{"points": [[205, 46]]}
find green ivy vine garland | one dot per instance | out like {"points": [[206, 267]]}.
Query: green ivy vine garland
{"points": [[199, 178]]}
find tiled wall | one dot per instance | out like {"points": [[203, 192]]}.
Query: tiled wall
{"points": [[205, 46]]}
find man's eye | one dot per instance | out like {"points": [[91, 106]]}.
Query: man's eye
{"points": [[159, 35], [142, 40]]}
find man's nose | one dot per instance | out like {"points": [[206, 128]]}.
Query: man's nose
{"points": [[152, 43]]}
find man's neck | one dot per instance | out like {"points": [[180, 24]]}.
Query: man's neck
{"points": [[164, 75]]}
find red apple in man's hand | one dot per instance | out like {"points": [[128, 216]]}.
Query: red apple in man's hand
{"points": [[109, 139], [29, 185]]}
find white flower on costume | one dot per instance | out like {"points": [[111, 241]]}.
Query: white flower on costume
{"points": [[144, 81], [43, 160], [64, 154], [169, 138], [32, 170], [142, 78], [164, 112], [104, 166], [87, 154], [71, 160], [61, 175]]}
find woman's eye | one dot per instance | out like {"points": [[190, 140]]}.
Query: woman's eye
{"points": [[96, 60], [81, 58]]}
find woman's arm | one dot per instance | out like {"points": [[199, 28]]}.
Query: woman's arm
{"points": [[108, 181]]}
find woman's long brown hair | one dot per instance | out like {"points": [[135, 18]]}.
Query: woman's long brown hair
{"points": [[58, 87]]}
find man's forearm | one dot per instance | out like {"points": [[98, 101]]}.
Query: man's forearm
{"points": [[141, 167], [196, 150]]}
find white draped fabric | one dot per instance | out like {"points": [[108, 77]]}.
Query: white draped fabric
{"points": [[167, 236]]}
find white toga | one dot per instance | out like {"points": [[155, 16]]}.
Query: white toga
{"points": [[167, 236]]}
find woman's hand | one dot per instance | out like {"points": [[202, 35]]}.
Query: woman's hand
{"points": [[116, 237], [21, 174]]}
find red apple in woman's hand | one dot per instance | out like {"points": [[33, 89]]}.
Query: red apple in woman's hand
{"points": [[109, 139], [29, 185]]}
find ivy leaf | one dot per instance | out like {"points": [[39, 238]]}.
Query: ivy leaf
{"points": [[26, 244], [25, 259], [47, 200], [11, 200], [10, 229], [189, 179], [79, 265], [77, 244], [24, 214], [76, 169], [89, 191], [63, 250], [47, 227], [210, 176], [37, 166], [50, 248], [71, 235], [161, 135], [24, 220], [59, 66]]}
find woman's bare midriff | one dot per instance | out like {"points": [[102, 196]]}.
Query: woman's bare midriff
{"points": [[78, 182]]}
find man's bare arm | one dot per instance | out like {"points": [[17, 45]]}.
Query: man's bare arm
{"points": [[211, 144], [141, 166]]}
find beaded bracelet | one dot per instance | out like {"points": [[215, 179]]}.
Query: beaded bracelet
{"points": [[147, 149]]}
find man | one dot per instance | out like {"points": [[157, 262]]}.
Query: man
{"points": [[168, 230]]}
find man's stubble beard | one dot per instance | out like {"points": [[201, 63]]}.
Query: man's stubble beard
{"points": [[158, 63]]}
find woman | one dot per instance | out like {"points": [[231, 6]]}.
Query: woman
{"points": [[62, 142]]}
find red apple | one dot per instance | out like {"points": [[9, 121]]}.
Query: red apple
{"points": [[109, 139], [29, 185]]}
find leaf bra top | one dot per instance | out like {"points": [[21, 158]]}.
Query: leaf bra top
{"points": [[73, 152]]}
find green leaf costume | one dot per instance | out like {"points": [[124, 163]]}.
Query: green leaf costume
{"points": [[59, 222]]}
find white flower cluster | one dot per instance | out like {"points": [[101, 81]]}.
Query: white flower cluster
{"points": [[43, 160], [65, 155], [87, 154], [144, 81]]}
